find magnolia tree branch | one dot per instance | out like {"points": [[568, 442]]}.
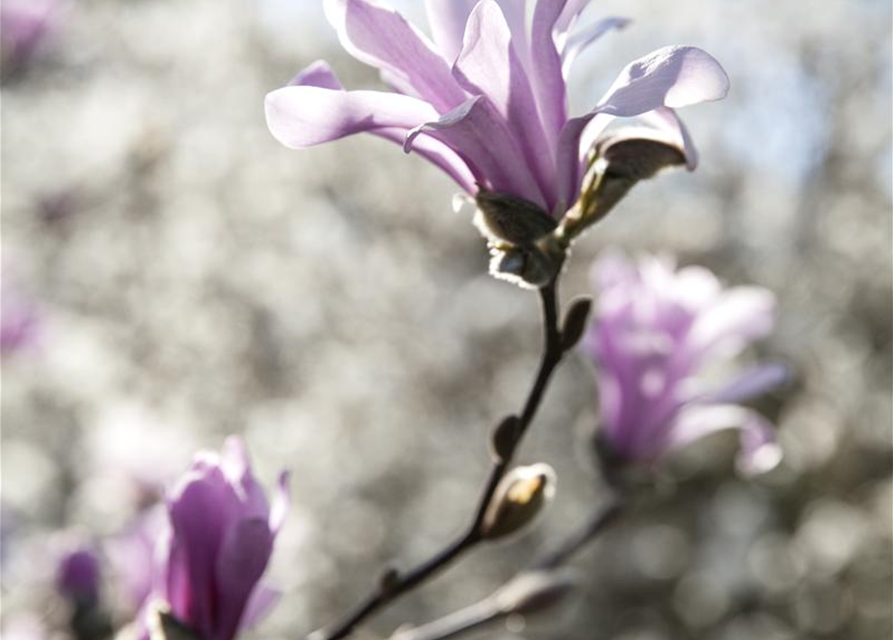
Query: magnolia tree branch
{"points": [[539, 587], [505, 441]]}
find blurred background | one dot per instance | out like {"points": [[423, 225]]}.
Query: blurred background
{"points": [[172, 275]]}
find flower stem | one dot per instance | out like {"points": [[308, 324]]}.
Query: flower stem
{"points": [[397, 584]]}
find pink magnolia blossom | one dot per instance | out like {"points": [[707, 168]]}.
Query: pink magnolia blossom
{"points": [[218, 543], [655, 331], [24, 25], [485, 97]]}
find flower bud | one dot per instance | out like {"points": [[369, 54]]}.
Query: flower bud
{"points": [[78, 576], [575, 322], [535, 591], [503, 438], [519, 497]]}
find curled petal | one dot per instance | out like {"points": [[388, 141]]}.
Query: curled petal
{"points": [[437, 153], [381, 37], [481, 137], [669, 77], [303, 116], [317, 74], [667, 122], [759, 450], [281, 502]]}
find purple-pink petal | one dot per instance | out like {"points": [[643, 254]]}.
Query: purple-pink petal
{"points": [[481, 67], [303, 116], [749, 384], [243, 557], [447, 19], [482, 138], [381, 37], [317, 74], [548, 80], [669, 77]]}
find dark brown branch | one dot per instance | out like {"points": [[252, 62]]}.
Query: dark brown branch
{"points": [[399, 583], [494, 607]]}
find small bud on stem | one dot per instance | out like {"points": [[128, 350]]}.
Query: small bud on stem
{"points": [[575, 322], [520, 496]]}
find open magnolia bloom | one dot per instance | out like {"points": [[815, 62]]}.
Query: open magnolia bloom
{"points": [[654, 333], [485, 99]]}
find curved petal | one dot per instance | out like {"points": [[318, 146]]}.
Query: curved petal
{"points": [[381, 37], [480, 136], [669, 77], [750, 384], [243, 557], [317, 74], [437, 153], [303, 116], [488, 65], [578, 42], [664, 119], [281, 503], [759, 450]]}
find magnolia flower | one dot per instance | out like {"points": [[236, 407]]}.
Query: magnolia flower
{"points": [[78, 575], [19, 319], [654, 333], [24, 25], [485, 97], [218, 544]]}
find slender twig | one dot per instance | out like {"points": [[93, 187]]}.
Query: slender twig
{"points": [[588, 531], [495, 607], [396, 584]]}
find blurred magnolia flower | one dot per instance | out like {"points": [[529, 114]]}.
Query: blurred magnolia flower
{"points": [[24, 25], [485, 97], [654, 332], [19, 320], [78, 575], [217, 546]]}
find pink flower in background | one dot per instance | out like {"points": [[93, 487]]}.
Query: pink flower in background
{"points": [[19, 319], [24, 25], [655, 331], [78, 575], [485, 98], [219, 541]]}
